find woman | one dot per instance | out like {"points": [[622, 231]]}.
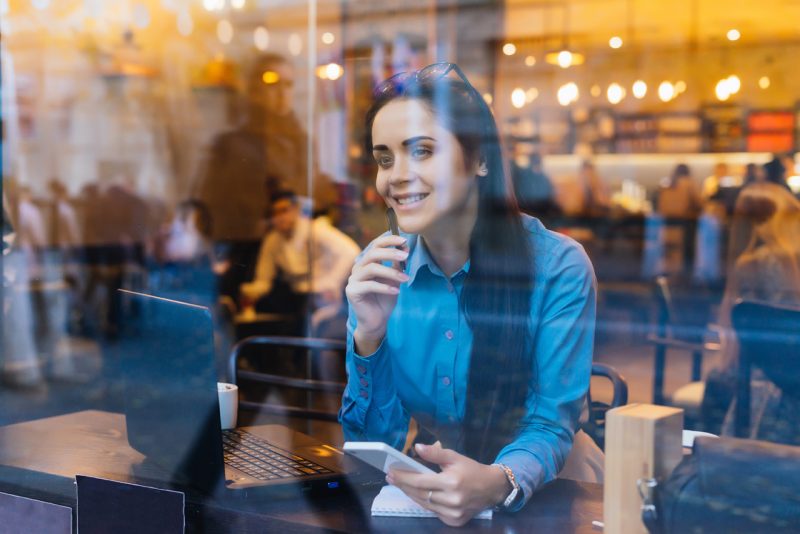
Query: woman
{"points": [[476, 321], [764, 265]]}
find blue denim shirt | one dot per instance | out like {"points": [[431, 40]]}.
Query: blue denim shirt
{"points": [[420, 369]]}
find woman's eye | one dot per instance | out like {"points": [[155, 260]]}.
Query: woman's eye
{"points": [[384, 161], [419, 152]]}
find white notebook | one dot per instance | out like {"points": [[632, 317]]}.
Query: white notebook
{"points": [[392, 502]]}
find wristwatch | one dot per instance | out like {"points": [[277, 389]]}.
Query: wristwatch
{"points": [[516, 491]]}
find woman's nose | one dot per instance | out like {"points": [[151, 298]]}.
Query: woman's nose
{"points": [[400, 172]]}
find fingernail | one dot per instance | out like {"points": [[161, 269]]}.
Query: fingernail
{"points": [[404, 277], [421, 447], [394, 290], [389, 479]]}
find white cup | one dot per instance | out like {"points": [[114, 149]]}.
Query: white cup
{"points": [[228, 404]]}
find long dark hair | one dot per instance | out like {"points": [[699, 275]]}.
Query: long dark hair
{"points": [[498, 287]]}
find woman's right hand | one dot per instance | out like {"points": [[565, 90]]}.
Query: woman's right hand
{"points": [[372, 290]]}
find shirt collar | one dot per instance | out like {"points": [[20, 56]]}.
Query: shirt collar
{"points": [[419, 256]]}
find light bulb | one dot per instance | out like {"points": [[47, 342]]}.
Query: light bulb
{"points": [[518, 97], [734, 84], [224, 31], [261, 38], [509, 49], [764, 82], [564, 59], [722, 91], [734, 34], [639, 89], [328, 38], [666, 91], [615, 42], [334, 71], [615, 93], [530, 61]]}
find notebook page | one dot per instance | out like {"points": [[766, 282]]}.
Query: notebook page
{"points": [[392, 502]]}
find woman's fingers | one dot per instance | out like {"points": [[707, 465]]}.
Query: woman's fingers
{"points": [[377, 271], [382, 254], [366, 287]]}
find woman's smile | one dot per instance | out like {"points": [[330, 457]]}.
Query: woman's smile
{"points": [[409, 201]]}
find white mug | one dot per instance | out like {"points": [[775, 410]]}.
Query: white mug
{"points": [[228, 404]]}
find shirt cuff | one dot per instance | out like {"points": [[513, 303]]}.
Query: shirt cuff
{"points": [[528, 472], [365, 371]]}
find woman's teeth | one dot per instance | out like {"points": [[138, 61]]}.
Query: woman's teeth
{"points": [[410, 200]]}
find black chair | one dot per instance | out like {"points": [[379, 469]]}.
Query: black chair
{"points": [[682, 324], [769, 339], [280, 347], [596, 423]]}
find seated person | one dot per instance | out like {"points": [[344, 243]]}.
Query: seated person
{"points": [[285, 275], [476, 321], [764, 265]]}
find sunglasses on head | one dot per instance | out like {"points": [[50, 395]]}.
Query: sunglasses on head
{"points": [[426, 75]]}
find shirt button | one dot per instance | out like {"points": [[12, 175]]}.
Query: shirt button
{"points": [[364, 394], [364, 382], [446, 381], [449, 334], [361, 369]]}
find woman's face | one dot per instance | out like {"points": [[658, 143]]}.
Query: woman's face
{"points": [[422, 172]]}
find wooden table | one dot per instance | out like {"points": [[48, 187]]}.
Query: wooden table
{"points": [[39, 459]]}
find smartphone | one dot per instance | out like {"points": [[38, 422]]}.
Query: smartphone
{"points": [[391, 216], [382, 456]]}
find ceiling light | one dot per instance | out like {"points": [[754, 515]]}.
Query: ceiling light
{"points": [[334, 71], [615, 42], [733, 34], [270, 77], [567, 94], [639, 89], [764, 82], [328, 38], [666, 91], [530, 61], [680, 87], [734, 84], [509, 49], [237, 4], [615, 93], [564, 58], [595, 91], [531, 95], [261, 38], [722, 91], [518, 97]]}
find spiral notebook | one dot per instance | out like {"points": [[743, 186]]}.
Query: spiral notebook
{"points": [[392, 502]]}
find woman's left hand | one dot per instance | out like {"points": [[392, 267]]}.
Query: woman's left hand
{"points": [[462, 490]]}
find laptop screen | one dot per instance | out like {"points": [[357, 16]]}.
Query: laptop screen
{"points": [[166, 355]]}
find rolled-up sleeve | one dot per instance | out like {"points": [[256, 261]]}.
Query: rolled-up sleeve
{"points": [[371, 409], [562, 346]]}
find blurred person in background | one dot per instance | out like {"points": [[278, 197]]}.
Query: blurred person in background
{"points": [[533, 188], [775, 171], [271, 143], [302, 264], [717, 179], [679, 203], [764, 265]]}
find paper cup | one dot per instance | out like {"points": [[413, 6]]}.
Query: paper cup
{"points": [[228, 404]]}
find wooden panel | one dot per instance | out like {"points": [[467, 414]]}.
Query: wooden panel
{"points": [[642, 441]]}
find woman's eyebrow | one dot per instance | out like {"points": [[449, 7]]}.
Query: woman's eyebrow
{"points": [[408, 142], [417, 139]]}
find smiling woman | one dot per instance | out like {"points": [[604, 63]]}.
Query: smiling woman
{"points": [[485, 337]]}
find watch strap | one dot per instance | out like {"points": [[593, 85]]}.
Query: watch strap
{"points": [[515, 488]]}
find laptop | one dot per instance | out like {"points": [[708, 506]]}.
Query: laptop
{"points": [[166, 358]]}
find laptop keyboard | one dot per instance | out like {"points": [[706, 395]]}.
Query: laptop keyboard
{"points": [[264, 461]]}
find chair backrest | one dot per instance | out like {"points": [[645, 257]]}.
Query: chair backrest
{"points": [[282, 347], [684, 309], [769, 339], [595, 426]]}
